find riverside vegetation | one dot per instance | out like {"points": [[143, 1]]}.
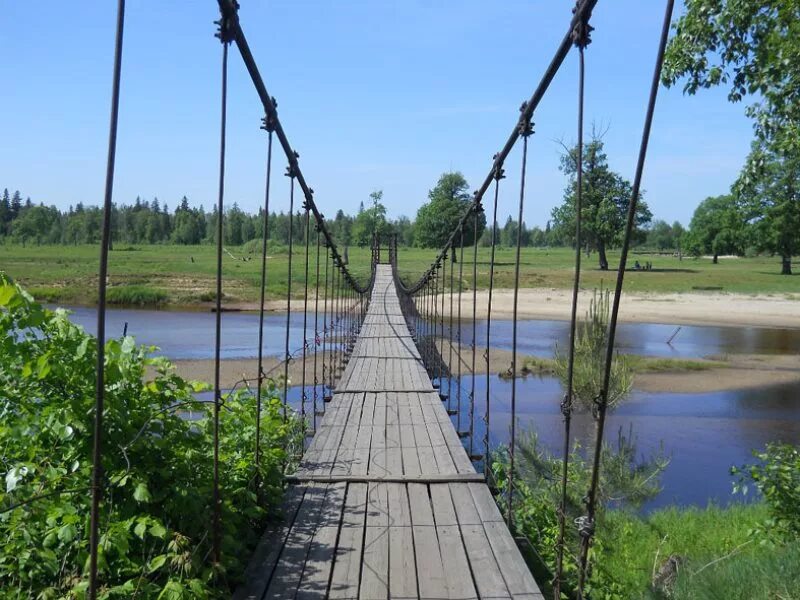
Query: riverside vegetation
{"points": [[742, 551], [156, 515]]}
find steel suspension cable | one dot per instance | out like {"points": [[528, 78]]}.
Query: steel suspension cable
{"points": [[97, 442], [450, 326], [460, 290], [582, 39], [588, 522], [325, 357], [286, 354], [498, 175], [305, 315], [316, 332], [526, 129], [217, 516], [269, 126], [440, 345], [435, 319], [474, 330]]}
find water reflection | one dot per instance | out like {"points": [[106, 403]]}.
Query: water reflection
{"points": [[182, 334], [538, 338], [190, 335], [705, 434]]}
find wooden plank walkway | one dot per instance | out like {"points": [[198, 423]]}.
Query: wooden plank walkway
{"points": [[386, 503]]}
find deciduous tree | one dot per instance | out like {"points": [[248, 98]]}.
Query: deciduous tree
{"points": [[447, 202], [606, 197]]}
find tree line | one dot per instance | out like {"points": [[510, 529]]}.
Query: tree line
{"points": [[760, 215]]}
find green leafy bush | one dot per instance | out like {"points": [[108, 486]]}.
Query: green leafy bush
{"points": [[157, 510], [777, 477]]}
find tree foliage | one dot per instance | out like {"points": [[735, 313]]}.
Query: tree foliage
{"points": [[371, 221], [777, 476], [437, 219], [769, 190], [717, 228], [663, 236], [606, 197], [753, 48], [156, 515]]}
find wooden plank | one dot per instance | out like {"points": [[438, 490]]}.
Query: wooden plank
{"points": [[346, 576], [466, 513], [402, 561], [375, 566], [515, 572], [430, 571], [460, 583], [454, 557], [317, 570], [484, 503], [289, 570], [375, 563], [488, 579], [262, 563]]}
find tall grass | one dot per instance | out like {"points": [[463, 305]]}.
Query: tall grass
{"points": [[136, 295]]}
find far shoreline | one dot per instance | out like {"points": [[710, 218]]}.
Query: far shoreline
{"points": [[541, 304]]}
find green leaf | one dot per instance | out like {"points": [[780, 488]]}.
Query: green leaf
{"points": [[66, 533], [141, 493], [43, 366], [7, 292], [140, 529], [157, 562], [158, 530]]}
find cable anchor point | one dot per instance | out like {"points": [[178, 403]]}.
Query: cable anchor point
{"points": [[525, 126], [269, 121], [498, 170], [582, 31], [226, 32]]}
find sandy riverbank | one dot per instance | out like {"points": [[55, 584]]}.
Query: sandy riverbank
{"points": [[718, 309], [740, 371]]}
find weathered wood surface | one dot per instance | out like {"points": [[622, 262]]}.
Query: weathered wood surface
{"points": [[386, 503]]}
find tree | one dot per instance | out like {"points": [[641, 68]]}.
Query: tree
{"points": [[5, 213], [16, 205], [663, 236], [404, 228], [754, 48], [717, 227], [371, 221], [769, 190], [437, 219], [606, 197]]}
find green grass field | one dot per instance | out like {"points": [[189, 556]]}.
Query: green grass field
{"points": [[184, 275]]}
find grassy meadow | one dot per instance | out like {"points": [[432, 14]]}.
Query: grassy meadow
{"points": [[184, 275]]}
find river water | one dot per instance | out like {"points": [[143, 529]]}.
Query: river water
{"points": [[704, 434]]}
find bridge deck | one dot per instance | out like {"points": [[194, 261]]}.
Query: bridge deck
{"points": [[387, 503]]}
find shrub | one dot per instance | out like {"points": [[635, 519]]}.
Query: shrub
{"points": [[156, 513], [777, 477]]}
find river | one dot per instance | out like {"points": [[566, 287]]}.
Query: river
{"points": [[704, 434]]}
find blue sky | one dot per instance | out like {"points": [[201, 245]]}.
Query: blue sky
{"points": [[374, 95]]}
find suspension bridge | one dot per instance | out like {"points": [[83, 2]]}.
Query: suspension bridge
{"points": [[387, 502]]}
